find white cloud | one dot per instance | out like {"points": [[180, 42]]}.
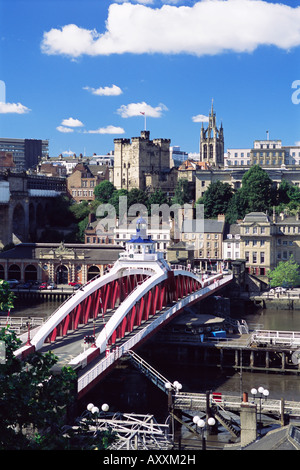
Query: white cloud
{"points": [[107, 130], [70, 122], [135, 109], [208, 27], [200, 118], [64, 129], [114, 90], [10, 108]]}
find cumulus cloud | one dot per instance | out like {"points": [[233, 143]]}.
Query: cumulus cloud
{"points": [[114, 90], [208, 27], [200, 118], [107, 130], [64, 130], [13, 108], [71, 122], [136, 109]]}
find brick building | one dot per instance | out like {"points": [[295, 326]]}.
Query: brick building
{"points": [[83, 180]]}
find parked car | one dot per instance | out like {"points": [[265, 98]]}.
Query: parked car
{"points": [[43, 285], [13, 283], [74, 283], [26, 285], [77, 286], [51, 286]]}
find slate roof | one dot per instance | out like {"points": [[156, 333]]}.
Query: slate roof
{"points": [[93, 253]]}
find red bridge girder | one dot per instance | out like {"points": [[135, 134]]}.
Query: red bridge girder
{"points": [[171, 289], [105, 298]]}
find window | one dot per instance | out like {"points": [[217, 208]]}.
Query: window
{"points": [[254, 257], [247, 256], [262, 257]]}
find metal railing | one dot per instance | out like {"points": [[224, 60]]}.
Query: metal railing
{"points": [[278, 338], [86, 378], [198, 401]]}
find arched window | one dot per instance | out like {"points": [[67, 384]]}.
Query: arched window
{"points": [[30, 273], [14, 272], [62, 274], [93, 271]]}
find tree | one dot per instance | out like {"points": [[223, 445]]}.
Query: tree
{"points": [[182, 193], [31, 397], [258, 190], [6, 296], [104, 191], [286, 274], [216, 199], [158, 197], [34, 404]]}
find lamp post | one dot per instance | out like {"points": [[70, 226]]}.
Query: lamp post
{"points": [[173, 389], [28, 332], [200, 423], [264, 393]]}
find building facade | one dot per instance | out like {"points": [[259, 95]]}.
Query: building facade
{"points": [[144, 164], [82, 182], [26, 152], [59, 263]]}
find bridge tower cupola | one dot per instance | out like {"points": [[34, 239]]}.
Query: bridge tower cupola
{"points": [[140, 247]]}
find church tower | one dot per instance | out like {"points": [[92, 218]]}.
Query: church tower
{"points": [[212, 142]]}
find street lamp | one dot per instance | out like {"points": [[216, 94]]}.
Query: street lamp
{"points": [[200, 423], [264, 393]]}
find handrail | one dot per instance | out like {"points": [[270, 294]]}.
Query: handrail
{"points": [[114, 355]]}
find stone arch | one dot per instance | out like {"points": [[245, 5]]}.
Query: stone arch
{"points": [[14, 272], [92, 272], [32, 222], [40, 216], [19, 223], [30, 273], [62, 274]]}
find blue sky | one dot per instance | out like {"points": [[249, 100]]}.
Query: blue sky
{"points": [[80, 72]]}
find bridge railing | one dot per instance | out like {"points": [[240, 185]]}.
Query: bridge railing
{"points": [[106, 362]]}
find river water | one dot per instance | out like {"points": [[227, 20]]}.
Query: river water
{"points": [[137, 394]]}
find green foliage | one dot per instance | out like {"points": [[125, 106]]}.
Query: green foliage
{"points": [[216, 199], [258, 190], [80, 210], [31, 397], [6, 296], [34, 404], [285, 274], [104, 191], [182, 193], [158, 197]]}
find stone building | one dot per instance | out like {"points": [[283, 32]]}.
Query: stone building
{"points": [[82, 182], [56, 262], [267, 240], [144, 164], [206, 239]]}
